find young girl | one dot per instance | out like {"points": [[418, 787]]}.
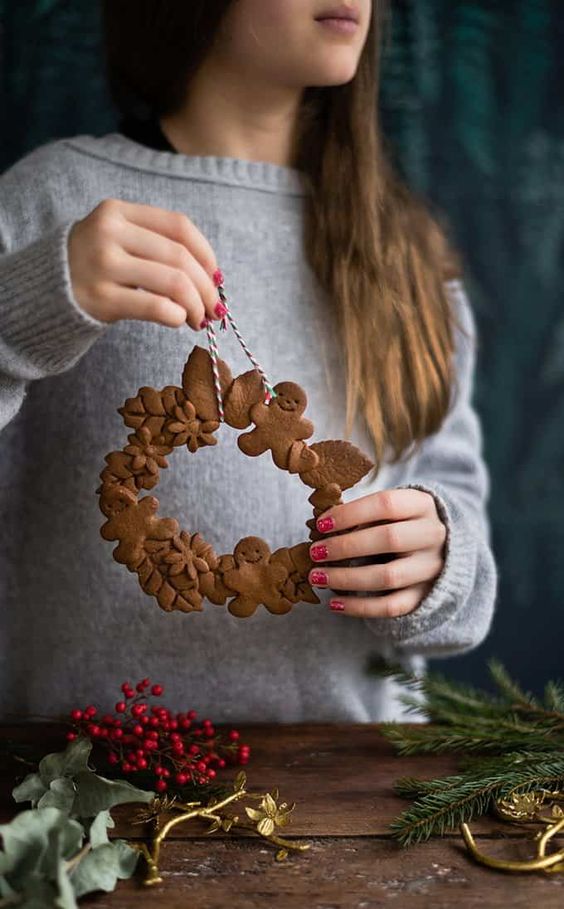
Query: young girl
{"points": [[248, 142]]}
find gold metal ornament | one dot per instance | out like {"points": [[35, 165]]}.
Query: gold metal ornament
{"points": [[526, 808], [267, 817]]}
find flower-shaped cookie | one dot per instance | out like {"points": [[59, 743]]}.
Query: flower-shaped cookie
{"points": [[147, 454], [188, 430]]}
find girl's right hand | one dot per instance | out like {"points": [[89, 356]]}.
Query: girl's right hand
{"points": [[132, 261]]}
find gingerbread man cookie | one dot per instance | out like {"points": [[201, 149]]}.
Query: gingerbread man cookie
{"points": [[256, 579], [278, 425]]}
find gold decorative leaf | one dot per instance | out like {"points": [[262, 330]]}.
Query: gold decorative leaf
{"points": [[281, 855], [266, 826], [240, 780], [284, 817], [269, 804], [254, 813]]}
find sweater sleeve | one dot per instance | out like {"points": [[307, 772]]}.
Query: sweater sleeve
{"points": [[43, 331], [456, 614]]}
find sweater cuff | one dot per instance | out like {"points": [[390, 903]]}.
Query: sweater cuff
{"points": [[454, 584], [43, 330]]}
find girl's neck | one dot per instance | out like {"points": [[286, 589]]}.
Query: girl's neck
{"points": [[227, 117]]}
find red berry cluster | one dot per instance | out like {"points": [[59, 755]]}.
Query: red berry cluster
{"points": [[174, 747]]}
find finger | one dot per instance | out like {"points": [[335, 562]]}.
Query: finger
{"points": [[140, 304], [386, 505], [176, 226], [146, 244], [403, 572], [391, 606], [400, 536], [161, 280]]}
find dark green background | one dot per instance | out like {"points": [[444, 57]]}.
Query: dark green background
{"points": [[472, 101]]}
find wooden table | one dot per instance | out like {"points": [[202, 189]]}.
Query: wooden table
{"points": [[341, 778]]}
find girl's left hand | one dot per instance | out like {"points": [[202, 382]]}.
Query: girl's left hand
{"points": [[402, 521]]}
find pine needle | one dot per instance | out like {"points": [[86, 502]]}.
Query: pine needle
{"points": [[449, 802], [509, 687], [508, 740], [554, 696]]}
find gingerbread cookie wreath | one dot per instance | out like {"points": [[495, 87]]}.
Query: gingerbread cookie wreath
{"points": [[178, 567]]}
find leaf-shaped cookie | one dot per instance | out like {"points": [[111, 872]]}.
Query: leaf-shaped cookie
{"points": [[339, 462], [198, 385], [245, 391]]}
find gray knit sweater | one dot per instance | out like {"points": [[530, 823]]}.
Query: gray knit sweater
{"points": [[74, 622]]}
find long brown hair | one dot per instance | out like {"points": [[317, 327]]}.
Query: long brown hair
{"points": [[376, 248]]}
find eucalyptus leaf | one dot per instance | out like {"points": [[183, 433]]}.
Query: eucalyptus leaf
{"points": [[34, 843], [98, 829], [67, 763], [95, 793], [66, 896], [31, 789], [39, 894], [101, 868], [56, 766], [5, 889], [61, 794], [40, 843]]}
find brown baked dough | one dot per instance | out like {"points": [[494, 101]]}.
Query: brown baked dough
{"points": [[180, 569]]}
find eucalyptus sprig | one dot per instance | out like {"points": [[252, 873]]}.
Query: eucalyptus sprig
{"points": [[59, 850], [511, 741]]}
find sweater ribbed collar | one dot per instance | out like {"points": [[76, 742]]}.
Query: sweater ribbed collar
{"points": [[264, 175]]}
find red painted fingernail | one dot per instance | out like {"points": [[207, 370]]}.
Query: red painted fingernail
{"points": [[318, 553], [318, 577], [336, 605], [324, 525], [204, 324], [220, 309], [217, 277]]}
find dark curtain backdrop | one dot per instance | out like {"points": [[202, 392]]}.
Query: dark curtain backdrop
{"points": [[472, 103]]}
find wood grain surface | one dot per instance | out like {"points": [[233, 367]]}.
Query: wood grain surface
{"points": [[341, 777]]}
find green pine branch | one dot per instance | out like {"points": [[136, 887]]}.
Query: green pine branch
{"points": [[439, 739], [442, 805], [508, 740]]}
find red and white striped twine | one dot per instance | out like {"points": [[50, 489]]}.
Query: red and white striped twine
{"points": [[269, 392]]}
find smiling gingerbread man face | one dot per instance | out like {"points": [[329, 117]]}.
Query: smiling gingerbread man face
{"points": [[252, 550], [290, 398]]}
